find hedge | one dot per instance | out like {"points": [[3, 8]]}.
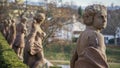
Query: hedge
{"points": [[8, 58]]}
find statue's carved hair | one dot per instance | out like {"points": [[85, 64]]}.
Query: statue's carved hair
{"points": [[23, 19], [90, 11], [13, 20], [39, 15]]}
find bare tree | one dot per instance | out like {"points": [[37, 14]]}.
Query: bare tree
{"points": [[4, 9], [57, 17]]}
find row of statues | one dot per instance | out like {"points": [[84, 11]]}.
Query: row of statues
{"points": [[29, 49], [90, 50], [8, 29]]}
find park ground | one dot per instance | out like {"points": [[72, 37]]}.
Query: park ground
{"points": [[61, 54]]}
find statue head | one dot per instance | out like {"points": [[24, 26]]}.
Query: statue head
{"points": [[23, 19], [39, 17], [9, 22], [13, 20], [6, 22], [95, 13]]}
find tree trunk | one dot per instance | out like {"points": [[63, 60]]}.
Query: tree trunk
{"points": [[115, 40]]}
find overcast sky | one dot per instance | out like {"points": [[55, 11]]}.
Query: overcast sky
{"points": [[85, 2], [88, 2]]}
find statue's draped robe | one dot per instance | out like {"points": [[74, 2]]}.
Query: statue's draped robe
{"points": [[20, 37], [12, 34]]}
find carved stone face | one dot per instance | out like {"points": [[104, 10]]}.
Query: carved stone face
{"points": [[23, 20], [13, 20], [100, 20], [95, 15], [40, 18]]}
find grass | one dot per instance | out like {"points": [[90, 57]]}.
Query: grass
{"points": [[113, 54], [55, 67], [58, 52], [114, 65]]}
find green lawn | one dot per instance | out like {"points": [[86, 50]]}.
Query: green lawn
{"points": [[113, 54], [114, 65], [58, 52]]}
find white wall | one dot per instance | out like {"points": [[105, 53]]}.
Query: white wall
{"points": [[107, 38]]}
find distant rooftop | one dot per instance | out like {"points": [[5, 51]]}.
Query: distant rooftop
{"points": [[113, 7]]}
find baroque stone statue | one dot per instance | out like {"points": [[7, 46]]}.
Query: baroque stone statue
{"points": [[90, 50], [34, 56]]}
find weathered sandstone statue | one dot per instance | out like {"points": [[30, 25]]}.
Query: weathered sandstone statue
{"points": [[19, 43], [34, 56], [90, 50], [12, 33]]}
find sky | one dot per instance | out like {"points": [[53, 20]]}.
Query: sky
{"points": [[89, 2], [85, 2]]}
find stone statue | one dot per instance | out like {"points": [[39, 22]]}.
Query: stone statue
{"points": [[6, 27], [12, 32], [19, 43], [2, 27], [34, 56], [90, 50]]}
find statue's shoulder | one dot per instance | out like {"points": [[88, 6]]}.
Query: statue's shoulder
{"points": [[90, 33]]}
